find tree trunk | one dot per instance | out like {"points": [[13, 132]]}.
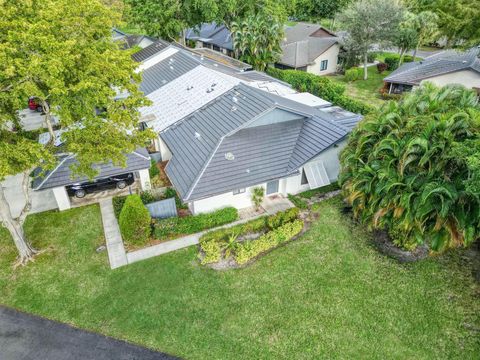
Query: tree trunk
{"points": [[15, 227], [48, 121], [402, 54], [365, 67], [415, 52]]}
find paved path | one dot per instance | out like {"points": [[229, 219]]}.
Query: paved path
{"points": [[28, 337], [116, 251]]}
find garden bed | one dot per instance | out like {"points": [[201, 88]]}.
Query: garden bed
{"points": [[384, 244], [240, 245]]}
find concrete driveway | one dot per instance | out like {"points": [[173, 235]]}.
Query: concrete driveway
{"points": [[28, 337]]}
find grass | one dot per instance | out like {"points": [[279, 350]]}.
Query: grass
{"points": [[364, 90], [328, 294]]}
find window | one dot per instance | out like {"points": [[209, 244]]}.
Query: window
{"points": [[238, 191], [323, 65], [304, 180]]}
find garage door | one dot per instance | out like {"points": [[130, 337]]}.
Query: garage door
{"points": [[316, 174]]}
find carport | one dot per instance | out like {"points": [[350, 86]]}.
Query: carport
{"points": [[137, 162]]}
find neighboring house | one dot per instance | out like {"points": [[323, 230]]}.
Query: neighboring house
{"points": [[211, 36], [225, 131], [310, 48], [307, 47], [52, 184], [130, 41], [447, 67]]}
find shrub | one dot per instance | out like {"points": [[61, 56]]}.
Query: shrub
{"points": [[118, 202], [372, 56], [393, 59], [249, 249], [135, 221], [381, 67], [171, 227], [298, 202], [147, 197], [154, 171], [353, 74], [319, 191], [322, 87], [221, 235], [282, 218], [171, 193], [257, 196], [212, 252]]}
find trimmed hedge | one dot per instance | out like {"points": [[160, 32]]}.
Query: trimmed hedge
{"points": [[214, 243], [322, 87], [247, 250], [135, 221], [392, 60], [176, 226], [319, 191]]}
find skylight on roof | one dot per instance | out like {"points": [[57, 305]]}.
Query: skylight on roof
{"points": [[229, 156]]}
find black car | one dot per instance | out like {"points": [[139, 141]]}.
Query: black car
{"points": [[118, 181]]}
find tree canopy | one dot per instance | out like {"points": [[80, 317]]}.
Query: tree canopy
{"points": [[64, 57], [414, 168], [371, 22]]}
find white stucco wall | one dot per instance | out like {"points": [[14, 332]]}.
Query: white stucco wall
{"points": [[62, 198], [467, 78], [289, 185], [164, 151], [332, 56]]}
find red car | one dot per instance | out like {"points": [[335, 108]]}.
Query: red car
{"points": [[33, 105]]}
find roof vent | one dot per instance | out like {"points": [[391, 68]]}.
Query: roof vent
{"points": [[214, 84], [234, 99], [197, 135], [164, 81], [248, 171], [216, 65], [464, 61], [201, 57], [189, 87], [234, 108], [229, 156], [171, 67]]}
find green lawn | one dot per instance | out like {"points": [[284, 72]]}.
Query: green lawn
{"points": [[364, 90], [327, 295]]}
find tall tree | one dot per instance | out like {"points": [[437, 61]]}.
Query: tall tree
{"points": [[372, 22], [64, 57], [425, 24], [407, 36], [316, 10], [256, 40], [414, 168]]}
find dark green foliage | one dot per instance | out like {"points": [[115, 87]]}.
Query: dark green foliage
{"points": [[176, 226], [118, 202], [171, 193], [319, 191], [416, 166], [135, 221], [147, 197], [154, 170], [322, 87], [282, 218], [393, 60], [372, 56], [298, 202]]}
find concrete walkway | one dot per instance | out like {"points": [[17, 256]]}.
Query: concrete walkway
{"points": [[28, 337], [116, 251]]}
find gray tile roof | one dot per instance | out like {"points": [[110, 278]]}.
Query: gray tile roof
{"points": [[198, 142], [302, 53], [150, 50], [160, 74], [211, 33], [61, 175], [435, 65]]}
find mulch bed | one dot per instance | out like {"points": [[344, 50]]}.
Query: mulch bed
{"points": [[384, 244]]}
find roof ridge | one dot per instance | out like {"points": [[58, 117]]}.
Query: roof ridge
{"points": [[54, 170]]}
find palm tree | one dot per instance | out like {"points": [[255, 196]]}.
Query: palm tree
{"points": [[415, 166], [256, 40]]}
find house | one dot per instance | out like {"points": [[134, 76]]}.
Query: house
{"points": [[447, 67], [131, 41], [307, 47], [225, 131], [211, 36], [310, 48]]}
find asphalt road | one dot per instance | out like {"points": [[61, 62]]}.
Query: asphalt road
{"points": [[27, 337]]}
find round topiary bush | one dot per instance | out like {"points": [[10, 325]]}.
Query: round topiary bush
{"points": [[135, 221]]}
